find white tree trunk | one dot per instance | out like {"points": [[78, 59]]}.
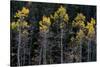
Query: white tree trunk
{"points": [[61, 46], [19, 43], [44, 48]]}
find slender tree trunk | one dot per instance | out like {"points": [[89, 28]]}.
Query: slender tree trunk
{"points": [[19, 43], [24, 54], [81, 51], [50, 55], [89, 50], [43, 44], [61, 46], [29, 62], [40, 56], [44, 48]]}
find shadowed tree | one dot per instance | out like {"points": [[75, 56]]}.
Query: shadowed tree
{"points": [[79, 24]]}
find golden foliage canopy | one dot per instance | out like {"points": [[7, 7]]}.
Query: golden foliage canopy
{"points": [[79, 21], [15, 25], [22, 13], [91, 27], [80, 35], [61, 13], [45, 23]]}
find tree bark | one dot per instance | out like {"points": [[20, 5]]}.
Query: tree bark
{"points": [[89, 50], [61, 46], [81, 51], [44, 48], [19, 43], [40, 56]]}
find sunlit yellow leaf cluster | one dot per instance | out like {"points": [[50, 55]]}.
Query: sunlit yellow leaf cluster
{"points": [[20, 21], [45, 23], [80, 35], [66, 18], [79, 21], [90, 27], [62, 25], [25, 10], [22, 13], [79, 17], [15, 25], [24, 24], [60, 13], [93, 21]]}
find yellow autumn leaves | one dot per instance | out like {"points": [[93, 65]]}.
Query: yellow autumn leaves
{"points": [[61, 11], [15, 25], [90, 27], [62, 25], [44, 24], [22, 13], [80, 35], [80, 22], [60, 14], [79, 17]]}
